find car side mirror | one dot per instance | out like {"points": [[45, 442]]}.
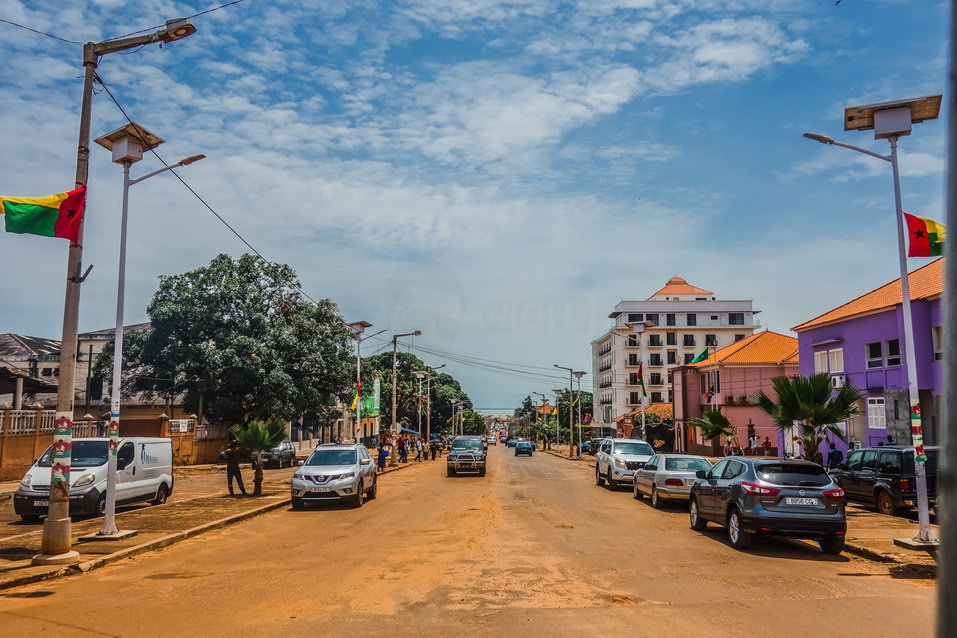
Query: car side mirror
{"points": [[300, 462], [701, 474], [365, 462]]}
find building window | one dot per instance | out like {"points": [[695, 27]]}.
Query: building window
{"points": [[655, 378], [938, 337], [711, 340], [656, 397], [634, 318], [672, 357], [820, 362], [632, 341], [692, 319], [669, 377], [672, 338], [836, 360], [688, 341], [634, 398], [876, 418], [632, 359], [689, 358], [893, 352], [875, 356], [633, 378], [652, 317], [714, 317], [736, 318], [655, 360], [670, 319], [654, 340], [738, 338]]}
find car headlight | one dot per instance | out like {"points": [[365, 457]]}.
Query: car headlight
{"points": [[86, 479], [299, 476], [339, 477], [26, 481], [621, 464], [452, 457]]}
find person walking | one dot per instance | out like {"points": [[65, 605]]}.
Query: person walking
{"points": [[433, 447], [233, 455], [834, 457], [767, 446], [383, 454], [419, 448], [728, 448]]}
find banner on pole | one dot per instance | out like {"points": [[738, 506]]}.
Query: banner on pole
{"points": [[62, 449]]}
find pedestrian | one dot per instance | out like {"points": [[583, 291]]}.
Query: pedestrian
{"points": [[403, 451], [433, 448], [890, 440], [233, 456], [767, 446], [834, 457], [728, 448], [383, 454], [418, 449], [753, 443]]}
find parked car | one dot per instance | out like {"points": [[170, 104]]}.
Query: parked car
{"points": [[885, 477], [770, 497], [617, 460], [593, 446], [493, 440], [512, 442], [668, 477], [335, 472], [283, 455], [466, 454], [585, 446], [144, 472], [524, 447]]}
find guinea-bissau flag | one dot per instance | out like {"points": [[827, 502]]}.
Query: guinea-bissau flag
{"points": [[641, 380], [355, 399], [926, 237], [59, 215]]}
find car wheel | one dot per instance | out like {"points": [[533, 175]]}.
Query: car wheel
{"points": [[30, 518], [161, 495], [599, 479], [374, 490], [698, 523], [360, 496], [609, 481], [635, 491], [100, 506], [297, 503], [655, 499], [450, 471], [516, 452], [739, 537], [832, 544], [482, 472], [885, 504]]}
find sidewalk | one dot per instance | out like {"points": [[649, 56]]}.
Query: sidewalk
{"points": [[870, 535], [157, 527]]}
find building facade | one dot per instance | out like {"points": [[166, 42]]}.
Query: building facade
{"points": [[859, 344], [681, 322]]}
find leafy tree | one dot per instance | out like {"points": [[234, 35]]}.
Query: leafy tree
{"points": [[257, 438], [240, 334], [527, 409], [473, 423], [809, 405], [713, 425]]}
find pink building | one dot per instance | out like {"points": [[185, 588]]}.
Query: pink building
{"points": [[724, 381]]}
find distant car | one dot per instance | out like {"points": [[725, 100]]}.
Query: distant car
{"points": [[512, 442], [668, 477], [617, 460], [585, 447], [593, 446], [283, 455], [339, 472], [524, 447], [886, 478], [774, 497], [493, 440], [466, 454]]}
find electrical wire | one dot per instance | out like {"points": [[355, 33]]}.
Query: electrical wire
{"points": [[160, 26], [49, 35]]}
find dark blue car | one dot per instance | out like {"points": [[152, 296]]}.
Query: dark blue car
{"points": [[524, 447]]}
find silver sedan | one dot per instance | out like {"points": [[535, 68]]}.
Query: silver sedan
{"points": [[668, 477]]}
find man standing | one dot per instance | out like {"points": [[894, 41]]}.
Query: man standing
{"points": [[233, 456], [418, 449], [767, 446], [834, 457]]}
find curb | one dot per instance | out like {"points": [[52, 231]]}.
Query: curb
{"points": [[6, 496], [157, 543], [580, 459]]}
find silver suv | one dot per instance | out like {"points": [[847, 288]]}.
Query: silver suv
{"points": [[617, 460], [342, 472]]}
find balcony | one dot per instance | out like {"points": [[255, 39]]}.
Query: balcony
{"points": [[604, 368]]}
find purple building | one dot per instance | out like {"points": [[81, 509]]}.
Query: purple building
{"points": [[858, 344]]}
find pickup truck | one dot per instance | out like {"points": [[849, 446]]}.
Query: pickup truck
{"points": [[466, 454]]}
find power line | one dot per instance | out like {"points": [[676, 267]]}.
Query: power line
{"points": [[49, 35], [160, 26]]}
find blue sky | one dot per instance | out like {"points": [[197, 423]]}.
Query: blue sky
{"points": [[495, 173]]}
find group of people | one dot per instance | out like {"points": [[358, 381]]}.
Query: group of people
{"points": [[753, 446], [406, 444]]}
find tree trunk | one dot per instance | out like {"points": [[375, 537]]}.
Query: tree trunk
{"points": [[258, 476]]}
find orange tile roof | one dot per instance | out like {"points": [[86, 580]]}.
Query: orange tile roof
{"points": [[925, 283], [546, 409], [766, 347], [678, 286], [661, 410]]}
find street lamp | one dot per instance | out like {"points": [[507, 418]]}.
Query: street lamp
{"points": [[358, 327], [578, 377], [558, 393], [637, 329], [57, 539], [890, 121], [420, 374], [571, 431], [544, 397], [428, 412], [127, 144], [395, 422], [455, 422]]}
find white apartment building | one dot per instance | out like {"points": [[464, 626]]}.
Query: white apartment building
{"points": [[682, 320]]}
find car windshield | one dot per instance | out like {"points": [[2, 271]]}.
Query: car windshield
{"points": [[793, 474], [466, 444], [686, 465], [634, 448], [332, 457], [85, 454]]}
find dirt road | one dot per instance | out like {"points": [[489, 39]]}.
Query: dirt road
{"points": [[533, 549]]}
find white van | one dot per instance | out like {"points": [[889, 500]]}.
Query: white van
{"points": [[144, 472]]}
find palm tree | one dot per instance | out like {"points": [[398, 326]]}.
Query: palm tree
{"points": [[810, 405], [713, 425], [257, 438]]}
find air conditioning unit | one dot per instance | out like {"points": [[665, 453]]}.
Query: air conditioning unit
{"points": [[838, 381], [742, 399], [729, 399]]}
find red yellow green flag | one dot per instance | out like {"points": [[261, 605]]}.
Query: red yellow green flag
{"points": [[641, 380], [925, 236], [59, 215], [355, 399]]}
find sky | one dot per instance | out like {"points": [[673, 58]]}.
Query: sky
{"points": [[495, 173]]}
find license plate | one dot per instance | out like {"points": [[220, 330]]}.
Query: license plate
{"points": [[41, 503], [800, 501], [321, 490]]}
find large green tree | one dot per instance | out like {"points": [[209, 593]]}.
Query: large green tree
{"points": [[240, 334], [473, 423]]}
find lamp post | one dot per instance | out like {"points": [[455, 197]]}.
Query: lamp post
{"points": [[420, 374], [455, 422], [558, 394], [395, 422], [57, 539], [636, 330], [578, 377], [545, 443], [891, 121], [571, 431], [428, 412], [127, 144], [358, 327]]}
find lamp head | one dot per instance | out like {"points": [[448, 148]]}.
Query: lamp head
{"points": [[823, 139], [417, 333], [176, 29], [191, 159]]}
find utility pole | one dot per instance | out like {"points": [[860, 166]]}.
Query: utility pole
{"points": [[395, 420], [542, 411], [571, 412], [578, 401], [428, 413], [57, 538]]}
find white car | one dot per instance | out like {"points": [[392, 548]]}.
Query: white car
{"points": [[668, 477], [335, 472], [617, 460]]}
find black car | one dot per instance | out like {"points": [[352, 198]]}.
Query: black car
{"points": [[885, 477], [772, 497], [283, 455]]}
